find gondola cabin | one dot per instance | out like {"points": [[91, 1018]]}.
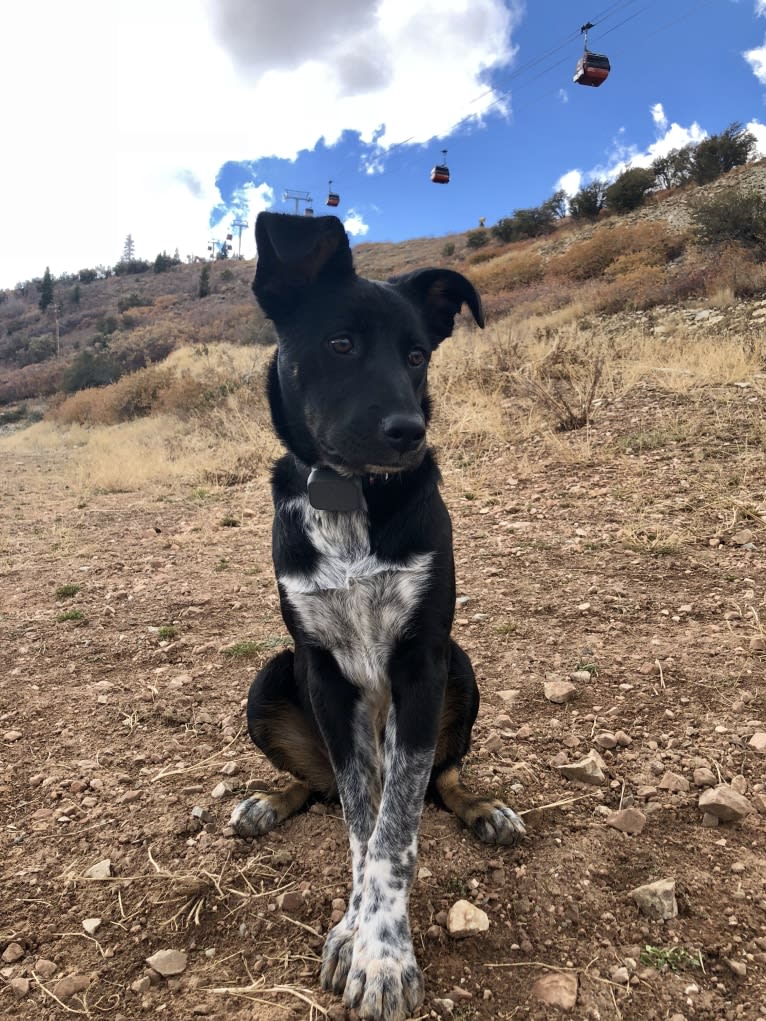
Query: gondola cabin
{"points": [[308, 211], [333, 198], [592, 69], [440, 173]]}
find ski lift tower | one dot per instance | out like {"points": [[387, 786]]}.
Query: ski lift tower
{"points": [[297, 197], [239, 225]]}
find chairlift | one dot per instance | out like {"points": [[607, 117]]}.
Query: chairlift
{"points": [[333, 198], [592, 68], [440, 173], [308, 211]]}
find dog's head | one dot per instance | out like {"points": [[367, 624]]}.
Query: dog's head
{"points": [[348, 386]]}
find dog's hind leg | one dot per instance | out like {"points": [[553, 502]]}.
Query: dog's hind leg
{"points": [[491, 820], [289, 738]]}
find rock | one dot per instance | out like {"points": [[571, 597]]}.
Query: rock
{"points": [[758, 742], [201, 814], [704, 777], [12, 953], [709, 821], [725, 804], [70, 986], [623, 739], [141, 985], [674, 782], [580, 677], [738, 968], [657, 900], [45, 968], [168, 962], [742, 537], [620, 974], [557, 988], [627, 820], [605, 740], [589, 770], [222, 789], [101, 870], [290, 901], [424, 873], [230, 768], [465, 919], [12, 735], [559, 692], [757, 644], [442, 1005], [509, 694], [90, 925], [19, 987], [458, 993]]}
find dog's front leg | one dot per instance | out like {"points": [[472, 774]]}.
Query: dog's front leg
{"points": [[385, 982], [353, 742]]}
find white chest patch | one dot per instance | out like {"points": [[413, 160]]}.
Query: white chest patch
{"points": [[353, 604]]}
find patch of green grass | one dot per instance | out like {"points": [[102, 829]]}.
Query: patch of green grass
{"points": [[70, 615], [673, 958], [228, 521], [222, 565], [67, 591], [592, 668], [167, 631], [247, 650], [252, 570], [508, 628]]}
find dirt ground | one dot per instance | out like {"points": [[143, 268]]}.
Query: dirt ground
{"points": [[631, 555]]}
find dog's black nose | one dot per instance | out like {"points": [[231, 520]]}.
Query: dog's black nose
{"points": [[404, 432]]}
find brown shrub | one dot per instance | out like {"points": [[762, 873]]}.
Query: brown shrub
{"points": [[737, 269], [654, 242], [508, 272]]}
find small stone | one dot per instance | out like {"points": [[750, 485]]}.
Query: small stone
{"points": [[709, 821], [465, 919], [70, 986], [758, 742], [459, 993], [168, 962], [222, 789], [101, 870], [290, 901], [557, 988], [424, 873], [742, 537], [589, 770], [442, 1005], [12, 735], [45, 968], [605, 740], [757, 644], [141, 985], [509, 695], [12, 953], [657, 900], [623, 739], [90, 925], [725, 803], [19, 987], [230, 768], [704, 777], [559, 692], [627, 820], [580, 677], [674, 782], [619, 974], [738, 968], [201, 814]]}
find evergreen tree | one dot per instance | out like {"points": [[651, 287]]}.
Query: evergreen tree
{"points": [[204, 282], [46, 290], [128, 249]]}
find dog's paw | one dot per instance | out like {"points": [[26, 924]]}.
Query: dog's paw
{"points": [[254, 816], [384, 988], [495, 823], [336, 956]]}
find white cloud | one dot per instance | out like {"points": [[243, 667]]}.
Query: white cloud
{"points": [[756, 58], [760, 8], [624, 156], [658, 116], [759, 131], [354, 224], [129, 108]]}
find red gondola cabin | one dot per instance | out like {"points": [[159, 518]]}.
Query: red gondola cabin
{"points": [[592, 69], [440, 173], [333, 198]]}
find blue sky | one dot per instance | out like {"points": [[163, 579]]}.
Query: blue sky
{"points": [[166, 120]]}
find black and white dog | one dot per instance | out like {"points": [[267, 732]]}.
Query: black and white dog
{"points": [[377, 702]]}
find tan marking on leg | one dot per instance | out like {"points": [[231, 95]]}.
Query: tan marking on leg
{"points": [[458, 799], [289, 800], [295, 746]]}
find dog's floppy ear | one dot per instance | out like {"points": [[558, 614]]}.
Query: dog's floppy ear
{"points": [[295, 252], [440, 293]]}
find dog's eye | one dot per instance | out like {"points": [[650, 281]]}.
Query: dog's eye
{"points": [[342, 345], [416, 358]]}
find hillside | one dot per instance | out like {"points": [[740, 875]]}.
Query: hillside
{"points": [[636, 262]]}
